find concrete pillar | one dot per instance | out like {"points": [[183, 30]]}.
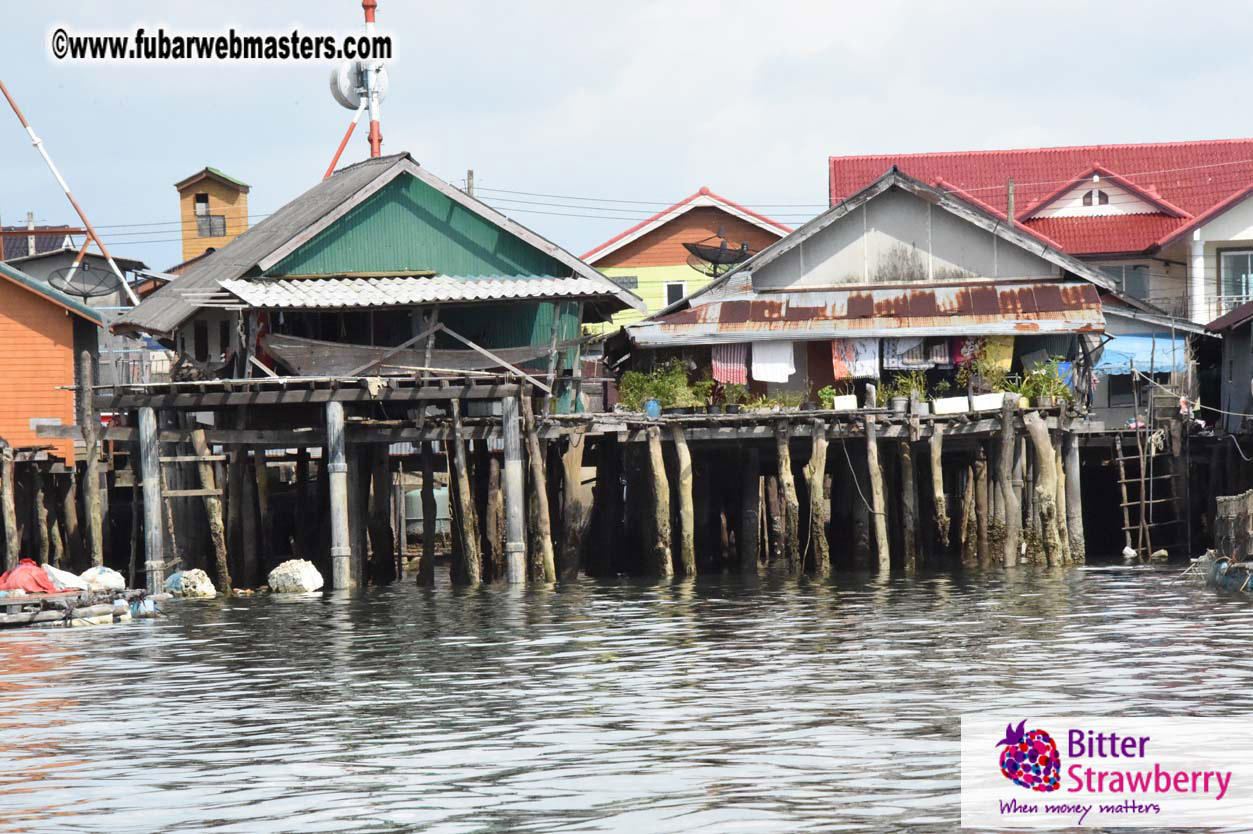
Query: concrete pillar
{"points": [[515, 498], [150, 472], [1198, 304], [337, 472]]}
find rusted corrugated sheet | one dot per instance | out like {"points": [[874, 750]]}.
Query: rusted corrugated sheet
{"points": [[973, 309]]}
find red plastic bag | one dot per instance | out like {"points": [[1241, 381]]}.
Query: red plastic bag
{"points": [[28, 577]]}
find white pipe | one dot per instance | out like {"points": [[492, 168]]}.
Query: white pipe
{"points": [[1196, 280]]}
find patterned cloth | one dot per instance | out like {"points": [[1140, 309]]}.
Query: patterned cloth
{"points": [[905, 354], [855, 358], [731, 363], [773, 361], [999, 350]]}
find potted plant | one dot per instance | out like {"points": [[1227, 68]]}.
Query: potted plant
{"points": [[983, 375], [734, 395], [837, 397], [914, 386], [943, 401]]}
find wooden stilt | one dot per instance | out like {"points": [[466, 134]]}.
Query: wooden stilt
{"points": [[470, 571], [966, 520], [659, 558], [687, 519], [512, 489], [426, 568], [213, 509], [69, 518], [1046, 485], [337, 472], [1005, 481], [750, 512], [8, 507], [878, 505], [57, 557], [575, 513], [936, 448], [1060, 502], [89, 424], [544, 562], [137, 526], [909, 505], [819, 508], [154, 534], [778, 524], [787, 497], [983, 549], [607, 510], [382, 542], [494, 519], [304, 499], [38, 500], [265, 512], [249, 523], [1074, 499]]}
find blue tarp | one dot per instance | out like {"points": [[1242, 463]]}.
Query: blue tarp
{"points": [[1143, 350]]}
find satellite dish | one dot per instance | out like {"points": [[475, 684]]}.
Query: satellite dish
{"points": [[348, 83], [86, 282], [714, 260]]}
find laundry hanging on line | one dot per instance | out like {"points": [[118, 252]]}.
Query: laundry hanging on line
{"points": [[855, 358], [773, 361], [730, 363]]}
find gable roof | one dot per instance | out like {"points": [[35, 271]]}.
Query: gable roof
{"points": [[301, 220], [213, 174], [703, 197], [71, 304], [1103, 173], [47, 238], [127, 264], [1191, 178]]}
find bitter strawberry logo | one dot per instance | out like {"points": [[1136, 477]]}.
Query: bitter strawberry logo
{"points": [[1030, 758]]}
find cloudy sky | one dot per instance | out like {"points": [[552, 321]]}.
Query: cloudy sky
{"points": [[629, 105]]}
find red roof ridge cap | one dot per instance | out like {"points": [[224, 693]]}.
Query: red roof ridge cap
{"points": [[1046, 149]]}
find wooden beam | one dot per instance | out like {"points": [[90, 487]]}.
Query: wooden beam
{"points": [[208, 400], [819, 508], [878, 505], [791, 505], [659, 561], [90, 426], [687, 516], [213, 508], [545, 568]]}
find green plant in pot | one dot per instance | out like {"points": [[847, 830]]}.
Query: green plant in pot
{"points": [[734, 395]]}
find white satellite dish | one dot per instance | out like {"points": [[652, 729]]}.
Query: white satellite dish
{"points": [[348, 83]]}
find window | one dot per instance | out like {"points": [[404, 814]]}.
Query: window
{"points": [[202, 205], [1095, 197], [1130, 279], [674, 292], [1235, 277], [200, 340], [208, 225]]}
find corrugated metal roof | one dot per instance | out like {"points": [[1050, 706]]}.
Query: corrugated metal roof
{"points": [[54, 295], [740, 314], [339, 293]]}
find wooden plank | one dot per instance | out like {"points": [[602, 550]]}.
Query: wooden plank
{"points": [[190, 458], [191, 493], [203, 401]]}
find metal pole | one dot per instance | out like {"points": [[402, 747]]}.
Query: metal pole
{"points": [[337, 471], [371, 83], [150, 472], [515, 500]]}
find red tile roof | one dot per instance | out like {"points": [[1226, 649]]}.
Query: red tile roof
{"points": [[1196, 178]]}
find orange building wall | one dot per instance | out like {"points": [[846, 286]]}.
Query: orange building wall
{"points": [[36, 356], [230, 202], [664, 246]]}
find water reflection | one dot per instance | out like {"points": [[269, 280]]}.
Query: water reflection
{"points": [[716, 704]]}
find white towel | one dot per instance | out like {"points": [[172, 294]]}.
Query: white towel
{"points": [[773, 361]]}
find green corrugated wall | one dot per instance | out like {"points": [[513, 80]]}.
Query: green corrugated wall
{"points": [[408, 225]]}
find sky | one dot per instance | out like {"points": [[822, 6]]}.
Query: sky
{"points": [[626, 106]]}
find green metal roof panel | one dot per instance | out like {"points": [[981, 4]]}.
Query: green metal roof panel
{"points": [[409, 226], [235, 180], [52, 294]]}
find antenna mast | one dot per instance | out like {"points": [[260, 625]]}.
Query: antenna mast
{"points": [[360, 86], [371, 83]]}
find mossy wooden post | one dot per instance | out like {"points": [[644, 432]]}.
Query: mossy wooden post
{"points": [[513, 493], [154, 532], [750, 513], [982, 546], [303, 533], [382, 541], [687, 515], [248, 521], [1074, 499], [213, 509], [1005, 480], [878, 505], [575, 513], [42, 543], [940, 501], [774, 514], [471, 570], [426, 567], [966, 518], [1060, 502], [8, 507], [790, 508], [265, 509], [544, 564], [69, 518], [337, 482], [137, 533], [819, 508], [659, 561], [494, 520], [89, 424], [1046, 485], [909, 505]]}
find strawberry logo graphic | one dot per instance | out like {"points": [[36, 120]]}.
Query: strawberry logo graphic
{"points": [[1030, 758]]}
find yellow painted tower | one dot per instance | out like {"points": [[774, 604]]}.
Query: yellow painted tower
{"points": [[213, 209]]}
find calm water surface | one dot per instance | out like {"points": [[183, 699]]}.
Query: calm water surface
{"points": [[719, 705]]}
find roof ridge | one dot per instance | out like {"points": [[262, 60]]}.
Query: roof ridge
{"points": [[1044, 149]]}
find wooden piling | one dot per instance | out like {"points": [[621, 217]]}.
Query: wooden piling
{"points": [[983, 549], [494, 519], [8, 507], [470, 569], [512, 489], [154, 534], [69, 519], [687, 518], [939, 500], [1060, 503], [543, 562], [1045, 486], [909, 506], [658, 548], [337, 473], [607, 509], [878, 505], [213, 509], [575, 513], [777, 527], [265, 511], [787, 497], [382, 541], [1005, 481], [249, 523], [750, 513], [426, 567], [1074, 499], [966, 552], [819, 508], [303, 533], [89, 424], [43, 544]]}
